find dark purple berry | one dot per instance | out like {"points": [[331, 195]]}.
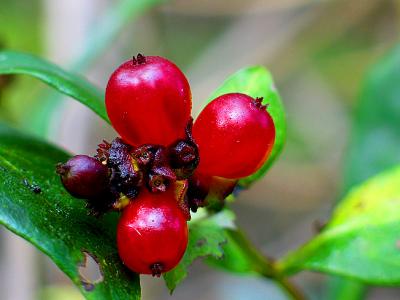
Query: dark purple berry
{"points": [[83, 176]]}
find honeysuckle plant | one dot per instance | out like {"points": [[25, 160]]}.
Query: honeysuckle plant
{"points": [[360, 241]]}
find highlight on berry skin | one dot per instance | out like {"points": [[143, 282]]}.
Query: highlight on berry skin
{"points": [[164, 165]]}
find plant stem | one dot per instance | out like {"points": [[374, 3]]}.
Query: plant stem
{"points": [[291, 290], [264, 265], [271, 272]]}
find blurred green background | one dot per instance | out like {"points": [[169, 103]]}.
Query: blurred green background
{"points": [[318, 52]]}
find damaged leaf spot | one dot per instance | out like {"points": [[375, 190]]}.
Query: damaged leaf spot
{"points": [[90, 271], [200, 242], [32, 186]]}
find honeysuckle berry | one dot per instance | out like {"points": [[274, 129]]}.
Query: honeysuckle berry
{"points": [[235, 135], [83, 176], [152, 233], [148, 101]]}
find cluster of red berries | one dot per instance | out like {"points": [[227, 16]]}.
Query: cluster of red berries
{"points": [[163, 165]]}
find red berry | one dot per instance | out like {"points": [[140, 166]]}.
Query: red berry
{"points": [[152, 233], [148, 100], [83, 176], [235, 135]]}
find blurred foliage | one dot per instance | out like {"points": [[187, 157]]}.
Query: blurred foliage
{"points": [[20, 28], [374, 143], [59, 292], [20, 25], [341, 41], [184, 38], [101, 36], [117, 17]]}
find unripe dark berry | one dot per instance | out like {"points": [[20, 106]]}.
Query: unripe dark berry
{"points": [[124, 176], [148, 100], [235, 135], [184, 155], [184, 158], [152, 233], [83, 176]]}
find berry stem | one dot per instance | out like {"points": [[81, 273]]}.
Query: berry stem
{"points": [[141, 59]]}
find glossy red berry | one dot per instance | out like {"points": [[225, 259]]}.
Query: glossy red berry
{"points": [[148, 101], [235, 135], [152, 233], [83, 176]]}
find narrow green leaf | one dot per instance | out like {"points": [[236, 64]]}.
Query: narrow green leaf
{"points": [[257, 81], [362, 240], [55, 222], [206, 236], [67, 83]]}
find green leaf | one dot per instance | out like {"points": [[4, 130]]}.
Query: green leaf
{"points": [[206, 236], [339, 287], [223, 247], [241, 257], [375, 143], [67, 83], [257, 81], [55, 222], [362, 240]]}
